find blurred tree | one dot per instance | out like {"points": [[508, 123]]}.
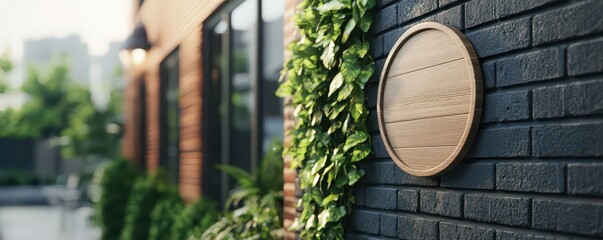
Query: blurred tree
{"points": [[59, 108], [93, 131], [45, 113], [6, 66]]}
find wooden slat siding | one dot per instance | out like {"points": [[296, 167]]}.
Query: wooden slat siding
{"points": [[289, 211], [169, 25]]}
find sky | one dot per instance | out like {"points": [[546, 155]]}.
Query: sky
{"points": [[97, 22]]}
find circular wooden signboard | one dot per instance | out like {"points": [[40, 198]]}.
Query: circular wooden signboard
{"points": [[430, 99]]}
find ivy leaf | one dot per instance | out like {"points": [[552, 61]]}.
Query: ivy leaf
{"points": [[357, 110], [345, 92], [330, 198], [328, 55], [366, 74], [348, 29], [331, 6], [355, 139], [315, 180], [335, 84], [331, 214], [319, 164], [310, 221], [354, 176], [297, 225], [365, 21], [284, 90], [360, 152]]}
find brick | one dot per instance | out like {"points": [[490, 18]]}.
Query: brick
{"points": [[568, 216], [443, 203], [389, 225], [511, 7], [508, 106], [498, 209], [584, 98], [390, 173], [576, 20], [378, 147], [390, 38], [568, 140], [372, 124], [472, 176], [410, 9], [506, 235], [371, 97], [463, 231], [452, 17], [382, 3], [408, 200], [479, 11], [379, 64], [381, 198], [530, 177], [584, 179], [417, 228], [501, 142], [365, 221], [489, 74], [371, 172], [351, 236], [547, 102], [376, 49], [530, 67], [501, 38], [585, 57], [359, 196], [446, 2], [385, 19], [575, 99]]}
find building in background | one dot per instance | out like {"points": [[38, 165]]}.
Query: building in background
{"points": [[41, 52]]}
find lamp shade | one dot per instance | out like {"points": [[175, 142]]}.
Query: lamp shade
{"points": [[138, 39]]}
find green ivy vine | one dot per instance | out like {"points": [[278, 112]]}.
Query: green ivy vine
{"points": [[326, 74]]}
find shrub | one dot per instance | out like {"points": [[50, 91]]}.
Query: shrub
{"points": [[164, 214], [115, 184], [258, 202], [195, 219], [144, 195]]}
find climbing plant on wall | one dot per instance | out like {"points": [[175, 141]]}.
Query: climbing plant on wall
{"points": [[326, 74]]}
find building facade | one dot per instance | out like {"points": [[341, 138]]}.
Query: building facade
{"points": [[204, 95]]}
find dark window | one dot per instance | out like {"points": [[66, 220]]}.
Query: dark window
{"points": [[170, 116], [243, 57], [142, 126]]}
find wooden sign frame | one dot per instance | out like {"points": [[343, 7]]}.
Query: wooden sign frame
{"points": [[427, 159]]}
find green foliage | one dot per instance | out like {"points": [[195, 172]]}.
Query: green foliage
{"points": [[195, 219], [115, 183], [326, 74], [164, 214], [18, 177], [257, 201], [58, 107], [6, 66], [86, 128], [143, 197]]}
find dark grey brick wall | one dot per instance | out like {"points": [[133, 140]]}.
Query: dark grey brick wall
{"points": [[535, 170]]}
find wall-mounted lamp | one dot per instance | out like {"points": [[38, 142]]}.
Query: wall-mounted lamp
{"points": [[135, 48]]}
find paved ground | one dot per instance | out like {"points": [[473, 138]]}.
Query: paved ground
{"points": [[26, 215], [45, 222]]}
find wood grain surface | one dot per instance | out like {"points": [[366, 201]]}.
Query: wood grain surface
{"points": [[430, 99]]}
